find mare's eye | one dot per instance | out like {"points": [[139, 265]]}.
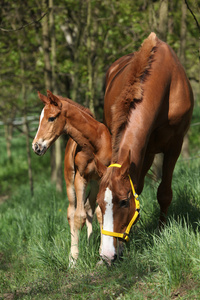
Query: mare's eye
{"points": [[124, 203], [51, 119]]}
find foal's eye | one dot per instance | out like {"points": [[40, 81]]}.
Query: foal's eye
{"points": [[51, 119]]}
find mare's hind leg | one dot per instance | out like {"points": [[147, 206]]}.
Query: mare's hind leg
{"points": [[90, 206], [164, 193]]}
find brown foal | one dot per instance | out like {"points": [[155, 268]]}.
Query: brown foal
{"points": [[62, 115]]}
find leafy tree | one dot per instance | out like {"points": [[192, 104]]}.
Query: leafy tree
{"points": [[85, 38]]}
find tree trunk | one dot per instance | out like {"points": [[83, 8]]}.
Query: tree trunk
{"points": [[30, 173], [8, 137], [74, 39], [163, 24], [151, 16], [90, 93], [57, 171], [163, 20], [24, 101], [185, 148], [26, 128], [46, 50], [48, 34], [47, 76]]}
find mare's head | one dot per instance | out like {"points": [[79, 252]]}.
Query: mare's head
{"points": [[116, 199], [51, 123]]}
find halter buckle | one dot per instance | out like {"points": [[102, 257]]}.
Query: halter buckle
{"points": [[126, 237]]}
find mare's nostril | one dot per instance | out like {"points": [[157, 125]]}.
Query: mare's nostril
{"points": [[114, 258]]}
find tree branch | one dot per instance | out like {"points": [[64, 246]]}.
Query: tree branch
{"points": [[198, 26], [23, 26]]}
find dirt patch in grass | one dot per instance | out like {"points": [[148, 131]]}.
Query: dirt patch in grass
{"points": [[185, 290], [3, 198]]}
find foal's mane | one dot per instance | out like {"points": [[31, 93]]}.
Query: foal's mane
{"points": [[80, 140], [136, 73], [79, 106]]}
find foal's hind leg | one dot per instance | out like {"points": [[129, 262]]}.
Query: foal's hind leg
{"points": [[164, 193], [90, 206]]}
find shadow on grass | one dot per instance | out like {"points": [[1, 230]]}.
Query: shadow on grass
{"points": [[185, 206]]}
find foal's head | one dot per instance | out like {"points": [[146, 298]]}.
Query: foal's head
{"points": [[51, 123], [117, 202]]}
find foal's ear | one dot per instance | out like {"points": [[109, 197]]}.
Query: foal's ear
{"points": [[43, 98], [53, 99], [100, 168]]}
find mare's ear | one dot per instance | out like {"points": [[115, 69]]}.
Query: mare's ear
{"points": [[53, 99], [43, 98], [124, 170], [100, 168]]}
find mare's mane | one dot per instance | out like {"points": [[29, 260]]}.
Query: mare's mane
{"points": [[136, 73]]}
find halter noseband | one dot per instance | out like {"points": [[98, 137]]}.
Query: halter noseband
{"points": [[136, 216]]}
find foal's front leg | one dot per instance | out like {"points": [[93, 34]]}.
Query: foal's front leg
{"points": [[70, 215], [79, 215]]}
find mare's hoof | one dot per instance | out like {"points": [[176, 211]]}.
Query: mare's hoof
{"points": [[100, 263]]}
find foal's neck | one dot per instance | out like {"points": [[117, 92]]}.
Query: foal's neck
{"points": [[81, 126]]}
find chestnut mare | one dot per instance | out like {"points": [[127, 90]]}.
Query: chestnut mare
{"points": [[148, 107], [62, 115]]}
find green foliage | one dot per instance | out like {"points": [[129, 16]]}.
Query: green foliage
{"points": [[117, 28], [14, 173]]}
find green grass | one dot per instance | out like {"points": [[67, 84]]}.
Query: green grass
{"points": [[35, 241]]}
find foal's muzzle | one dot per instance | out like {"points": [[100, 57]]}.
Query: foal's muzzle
{"points": [[39, 148]]}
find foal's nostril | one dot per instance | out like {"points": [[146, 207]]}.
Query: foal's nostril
{"points": [[36, 148]]}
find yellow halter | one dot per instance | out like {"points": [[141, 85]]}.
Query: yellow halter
{"points": [[135, 217]]}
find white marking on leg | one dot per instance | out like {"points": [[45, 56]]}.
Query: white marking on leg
{"points": [[108, 249]]}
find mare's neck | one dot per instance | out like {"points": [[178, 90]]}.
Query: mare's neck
{"points": [[131, 147]]}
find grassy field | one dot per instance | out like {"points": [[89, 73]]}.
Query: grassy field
{"points": [[35, 239]]}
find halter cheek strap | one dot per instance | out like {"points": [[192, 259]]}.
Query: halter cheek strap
{"points": [[135, 218]]}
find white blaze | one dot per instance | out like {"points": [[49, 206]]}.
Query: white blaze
{"points": [[108, 249], [41, 117]]}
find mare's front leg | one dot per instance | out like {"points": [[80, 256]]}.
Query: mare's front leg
{"points": [[164, 193]]}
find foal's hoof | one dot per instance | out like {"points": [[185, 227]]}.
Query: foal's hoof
{"points": [[72, 262]]}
